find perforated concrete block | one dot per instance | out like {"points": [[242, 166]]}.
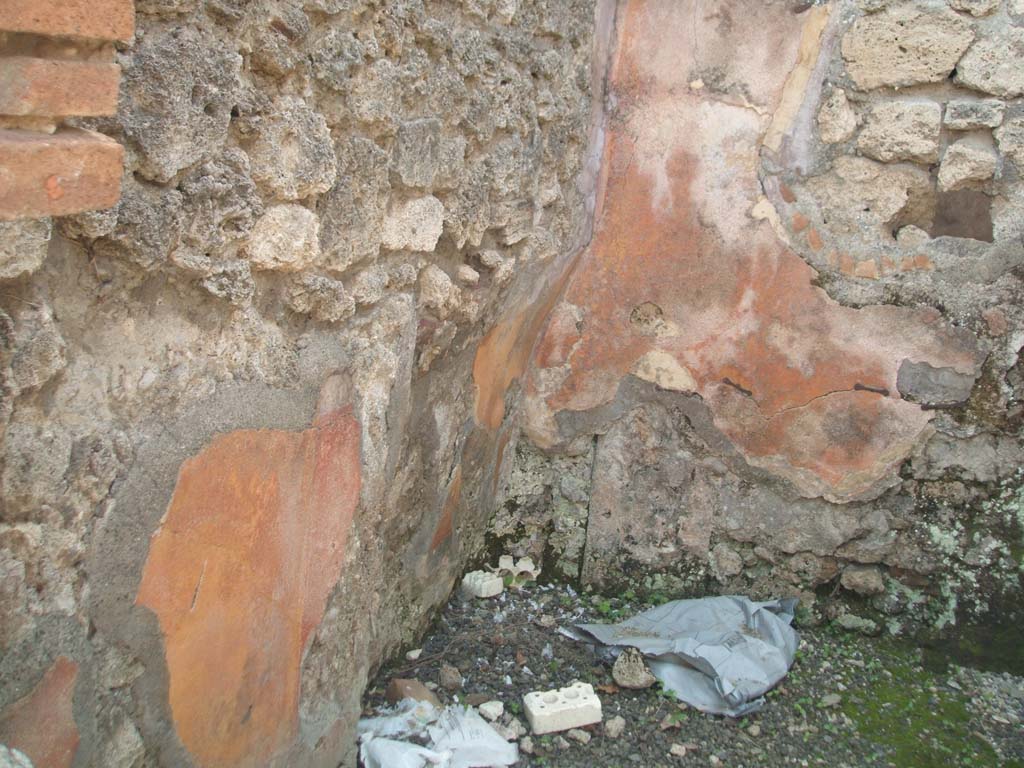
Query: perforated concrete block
{"points": [[482, 584], [562, 709]]}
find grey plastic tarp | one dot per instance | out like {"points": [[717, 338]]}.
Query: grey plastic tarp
{"points": [[718, 654]]}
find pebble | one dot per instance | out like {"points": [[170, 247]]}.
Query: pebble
{"points": [[450, 677], [492, 710], [579, 735], [831, 700], [630, 671], [561, 743], [677, 750], [615, 727], [413, 655], [526, 745], [754, 730]]}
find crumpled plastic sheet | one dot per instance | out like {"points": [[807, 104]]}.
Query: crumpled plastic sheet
{"points": [[459, 738], [718, 654]]}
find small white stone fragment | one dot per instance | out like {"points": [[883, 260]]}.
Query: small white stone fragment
{"points": [[836, 119], [615, 727], [286, 238], [492, 710], [562, 709], [526, 745], [482, 584], [413, 655], [579, 735]]}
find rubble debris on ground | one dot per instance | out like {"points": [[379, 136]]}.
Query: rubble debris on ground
{"points": [[718, 654], [455, 737]]}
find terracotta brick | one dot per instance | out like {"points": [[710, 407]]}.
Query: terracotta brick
{"points": [[800, 222], [814, 240], [103, 19], [43, 87], [71, 171]]}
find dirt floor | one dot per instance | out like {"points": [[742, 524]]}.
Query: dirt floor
{"points": [[849, 700]]}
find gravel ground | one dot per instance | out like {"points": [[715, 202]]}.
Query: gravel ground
{"points": [[848, 700]]}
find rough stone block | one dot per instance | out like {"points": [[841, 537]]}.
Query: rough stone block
{"points": [[286, 238], [902, 130], [993, 64], [562, 709], [836, 119], [972, 159], [974, 7], [904, 45], [1011, 141], [417, 152], [414, 225], [53, 175], [966, 115], [23, 246], [482, 584], [936, 387], [103, 19], [48, 88], [293, 155]]}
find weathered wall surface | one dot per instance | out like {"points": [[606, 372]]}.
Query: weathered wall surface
{"points": [[788, 359], [241, 461]]}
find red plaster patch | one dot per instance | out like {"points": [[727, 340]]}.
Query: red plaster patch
{"points": [[239, 574], [42, 723]]}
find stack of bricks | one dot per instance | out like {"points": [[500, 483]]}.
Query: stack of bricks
{"points": [[56, 62]]}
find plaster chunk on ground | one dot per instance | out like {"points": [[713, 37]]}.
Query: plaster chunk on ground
{"points": [[902, 130], [1011, 141], [836, 119], [23, 246], [993, 64], [286, 238], [178, 92], [904, 45], [974, 7], [322, 298], [966, 115], [293, 155], [414, 225], [968, 160], [417, 152]]}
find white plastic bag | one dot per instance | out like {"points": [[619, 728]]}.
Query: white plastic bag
{"points": [[472, 741], [388, 753]]}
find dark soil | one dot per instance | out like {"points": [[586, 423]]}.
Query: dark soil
{"points": [[892, 710]]}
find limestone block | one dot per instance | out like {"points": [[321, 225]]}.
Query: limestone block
{"points": [[352, 213], [23, 246], [293, 155], [322, 297], [1011, 141], [902, 130], [414, 225], [482, 584], [149, 225], [562, 709], [231, 281], [178, 92], [437, 291], [964, 115], [905, 45], [38, 349], [993, 64], [286, 238], [417, 152], [836, 119], [925, 384], [974, 7], [969, 160], [370, 284], [221, 203]]}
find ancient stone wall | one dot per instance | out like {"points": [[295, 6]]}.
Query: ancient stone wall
{"points": [[241, 462], [788, 361]]}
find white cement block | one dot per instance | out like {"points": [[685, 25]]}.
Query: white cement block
{"points": [[482, 584], [563, 709]]}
